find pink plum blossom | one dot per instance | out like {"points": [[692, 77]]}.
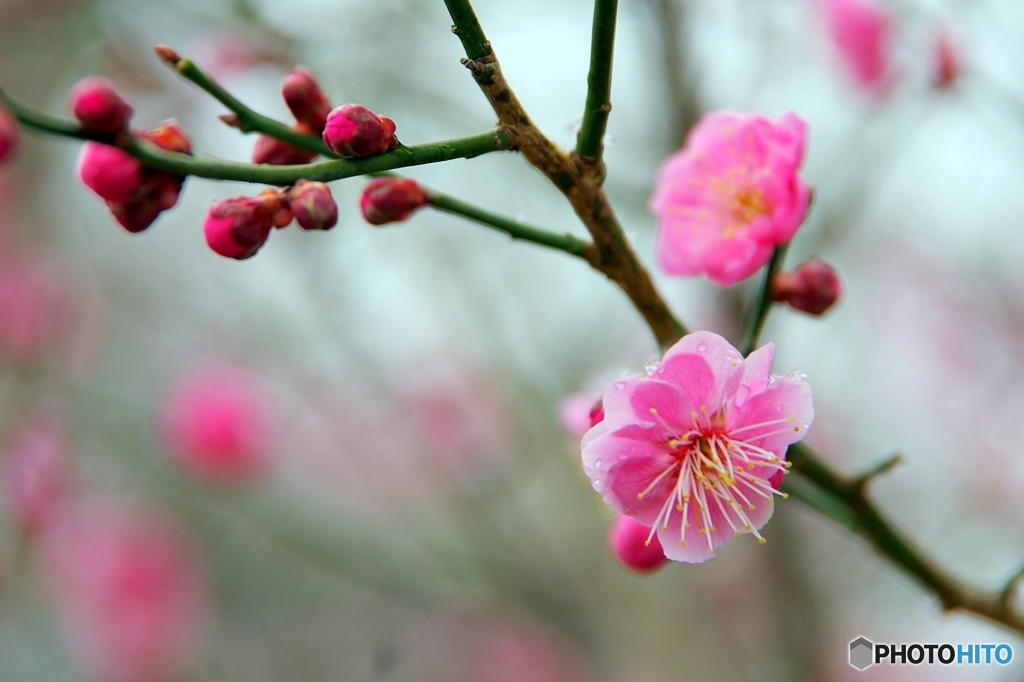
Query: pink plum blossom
{"points": [[130, 591], [691, 449], [218, 424], [35, 308], [862, 34], [730, 196], [35, 474]]}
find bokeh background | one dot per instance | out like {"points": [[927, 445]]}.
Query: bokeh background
{"points": [[424, 516]]}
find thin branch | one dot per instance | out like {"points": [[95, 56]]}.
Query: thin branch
{"points": [[866, 519], [219, 169], [563, 242], [761, 305], [467, 27], [248, 120], [578, 181], [590, 141]]}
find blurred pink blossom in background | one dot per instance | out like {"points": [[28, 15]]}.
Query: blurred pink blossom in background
{"points": [[35, 473], [36, 309], [862, 32], [130, 590], [219, 424], [730, 195]]}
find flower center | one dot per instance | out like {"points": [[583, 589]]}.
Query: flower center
{"points": [[748, 204], [717, 476]]}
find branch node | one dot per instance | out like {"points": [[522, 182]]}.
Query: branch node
{"points": [[883, 467]]}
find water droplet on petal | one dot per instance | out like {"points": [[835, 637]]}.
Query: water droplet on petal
{"points": [[650, 367], [597, 484], [597, 463], [701, 347]]}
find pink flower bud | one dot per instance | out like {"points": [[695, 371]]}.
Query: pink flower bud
{"points": [[217, 422], [629, 542], [307, 101], [354, 130], [130, 590], [8, 134], [275, 152], [238, 227], [35, 477], [111, 173], [948, 62], [313, 205], [98, 107], [813, 287], [389, 200]]}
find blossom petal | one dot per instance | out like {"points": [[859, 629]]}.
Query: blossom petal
{"points": [[638, 487], [776, 417]]}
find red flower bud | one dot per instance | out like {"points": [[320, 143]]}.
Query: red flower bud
{"points": [[8, 134], [276, 203], [110, 172], [169, 137], [313, 205], [307, 101], [628, 540], [276, 152], [98, 107], [813, 287], [388, 200], [135, 195], [238, 227], [354, 130]]}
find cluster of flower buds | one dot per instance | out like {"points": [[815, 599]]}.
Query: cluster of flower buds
{"points": [[310, 106], [389, 200], [354, 130], [8, 134], [813, 287], [135, 194], [238, 227]]}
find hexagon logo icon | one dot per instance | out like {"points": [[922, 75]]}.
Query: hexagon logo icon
{"points": [[861, 653]]}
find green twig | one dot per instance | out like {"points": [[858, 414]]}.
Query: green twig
{"points": [[516, 230], [868, 521], [761, 306], [590, 141], [248, 120], [467, 27]]}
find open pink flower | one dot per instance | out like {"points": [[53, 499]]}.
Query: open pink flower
{"points": [[695, 449], [35, 474], [730, 196], [862, 34]]}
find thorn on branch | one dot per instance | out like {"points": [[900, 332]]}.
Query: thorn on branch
{"points": [[885, 466], [168, 55]]}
